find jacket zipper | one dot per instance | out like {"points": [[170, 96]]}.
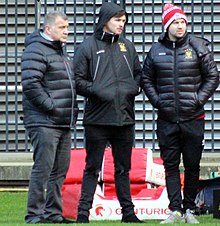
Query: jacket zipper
{"points": [[128, 66], [96, 68], [117, 102], [175, 81], [68, 69]]}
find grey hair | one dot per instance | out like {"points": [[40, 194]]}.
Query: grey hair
{"points": [[51, 17]]}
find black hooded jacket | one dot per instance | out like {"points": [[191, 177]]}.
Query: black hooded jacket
{"points": [[179, 77], [48, 84], [107, 71]]}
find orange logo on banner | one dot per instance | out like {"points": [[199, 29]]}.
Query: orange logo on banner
{"points": [[102, 211]]}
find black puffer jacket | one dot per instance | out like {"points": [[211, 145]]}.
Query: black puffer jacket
{"points": [[48, 84], [107, 71], [179, 78]]}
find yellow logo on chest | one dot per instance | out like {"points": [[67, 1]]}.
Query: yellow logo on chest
{"points": [[188, 54], [122, 47]]}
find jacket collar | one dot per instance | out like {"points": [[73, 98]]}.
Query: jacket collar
{"points": [[107, 37], [163, 38]]}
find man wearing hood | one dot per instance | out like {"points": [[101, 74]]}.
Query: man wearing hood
{"points": [[50, 110], [107, 71]]}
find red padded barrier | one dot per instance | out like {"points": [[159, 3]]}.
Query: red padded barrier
{"points": [[138, 166], [76, 167], [109, 189], [70, 197]]}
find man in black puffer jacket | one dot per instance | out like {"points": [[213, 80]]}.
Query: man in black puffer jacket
{"points": [[50, 110], [179, 76], [107, 71]]}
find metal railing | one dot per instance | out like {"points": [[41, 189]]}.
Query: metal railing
{"points": [[143, 28]]}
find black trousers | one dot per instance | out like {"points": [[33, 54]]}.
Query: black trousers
{"points": [[184, 138], [121, 139]]}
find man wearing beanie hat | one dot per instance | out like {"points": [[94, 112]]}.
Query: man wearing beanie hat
{"points": [[108, 71], [172, 13], [179, 76]]}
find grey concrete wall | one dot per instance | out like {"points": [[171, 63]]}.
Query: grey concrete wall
{"points": [[17, 166]]}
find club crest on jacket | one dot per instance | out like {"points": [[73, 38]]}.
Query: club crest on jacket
{"points": [[122, 47], [188, 54]]}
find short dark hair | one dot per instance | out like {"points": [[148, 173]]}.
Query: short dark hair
{"points": [[120, 13]]}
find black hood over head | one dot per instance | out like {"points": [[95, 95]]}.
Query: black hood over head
{"points": [[107, 11]]}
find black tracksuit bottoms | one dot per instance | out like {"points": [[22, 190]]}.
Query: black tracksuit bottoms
{"points": [[121, 139], [186, 139]]}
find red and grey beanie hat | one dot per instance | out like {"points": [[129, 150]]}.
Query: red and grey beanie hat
{"points": [[171, 13]]}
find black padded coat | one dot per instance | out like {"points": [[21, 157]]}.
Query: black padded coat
{"points": [[49, 96], [179, 77]]}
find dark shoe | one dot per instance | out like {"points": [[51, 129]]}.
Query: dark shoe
{"points": [[36, 220], [48, 221], [82, 219], [131, 219], [66, 221]]}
